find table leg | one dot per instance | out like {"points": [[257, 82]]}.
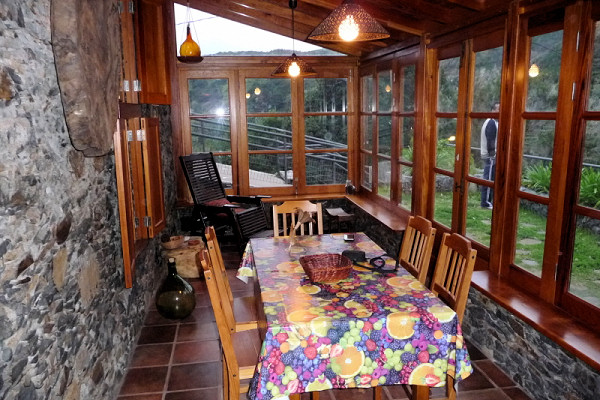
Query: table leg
{"points": [[420, 392]]}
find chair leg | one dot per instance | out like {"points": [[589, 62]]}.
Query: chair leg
{"points": [[377, 392], [420, 392], [450, 389]]}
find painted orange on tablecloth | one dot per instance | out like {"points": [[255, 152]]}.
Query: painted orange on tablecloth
{"points": [[400, 325], [350, 361]]}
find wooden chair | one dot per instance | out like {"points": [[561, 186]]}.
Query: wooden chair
{"points": [[244, 215], [452, 279], [417, 244], [240, 312], [240, 349], [288, 212]]}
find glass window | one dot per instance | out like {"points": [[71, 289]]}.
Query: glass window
{"points": [[531, 236], [408, 88], [406, 199], [407, 136], [384, 177], [542, 90], [268, 95], [367, 90], [594, 95], [209, 115], [269, 133], [271, 170], [367, 132], [589, 189], [446, 143], [385, 93], [448, 85], [537, 157], [326, 132], [585, 282], [444, 185], [208, 96], [486, 84], [210, 134], [326, 168], [367, 170], [384, 130], [325, 95]]}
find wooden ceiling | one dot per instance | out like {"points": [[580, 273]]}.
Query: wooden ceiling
{"points": [[405, 20]]}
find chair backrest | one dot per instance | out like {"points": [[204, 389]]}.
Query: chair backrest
{"points": [[288, 212], [417, 243], [225, 334], [202, 177], [216, 265], [453, 271]]}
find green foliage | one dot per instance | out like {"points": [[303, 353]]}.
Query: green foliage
{"points": [[445, 155], [589, 192], [537, 177]]}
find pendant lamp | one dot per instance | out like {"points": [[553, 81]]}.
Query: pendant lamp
{"points": [[293, 66], [189, 51], [349, 22]]}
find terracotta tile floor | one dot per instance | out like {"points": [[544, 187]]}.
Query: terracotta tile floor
{"points": [[180, 360]]}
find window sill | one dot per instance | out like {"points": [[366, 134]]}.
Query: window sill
{"points": [[396, 219], [554, 323]]}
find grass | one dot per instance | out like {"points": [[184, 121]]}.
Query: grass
{"points": [[531, 231]]}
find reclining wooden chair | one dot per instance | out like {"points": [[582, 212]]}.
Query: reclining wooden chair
{"points": [[244, 215]]}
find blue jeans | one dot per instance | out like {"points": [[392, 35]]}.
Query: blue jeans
{"points": [[489, 173]]}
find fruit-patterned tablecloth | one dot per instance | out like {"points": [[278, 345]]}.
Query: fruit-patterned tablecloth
{"points": [[369, 329]]}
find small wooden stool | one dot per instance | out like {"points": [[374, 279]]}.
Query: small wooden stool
{"points": [[339, 216]]}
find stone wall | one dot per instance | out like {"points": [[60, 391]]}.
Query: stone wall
{"points": [[67, 323], [544, 369]]}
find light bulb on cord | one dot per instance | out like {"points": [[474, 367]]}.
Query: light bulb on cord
{"points": [[257, 91], [348, 29], [294, 69], [534, 70], [247, 95]]}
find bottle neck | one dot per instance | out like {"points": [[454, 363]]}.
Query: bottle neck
{"points": [[172, 268]]}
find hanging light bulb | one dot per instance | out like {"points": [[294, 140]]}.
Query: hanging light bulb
{"points": [[348, 29], [189, 51], [257, 91], [534, 70], [294, 69], [293, 66], [388, 88], [247, 95]]}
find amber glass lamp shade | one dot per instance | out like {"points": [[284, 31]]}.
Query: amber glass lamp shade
{"points": [[189, 51]]}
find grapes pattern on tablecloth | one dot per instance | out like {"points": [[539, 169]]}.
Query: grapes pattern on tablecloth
{"points": [[367, 330]]}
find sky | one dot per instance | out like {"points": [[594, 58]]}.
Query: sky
{"points": [[215, 34]]}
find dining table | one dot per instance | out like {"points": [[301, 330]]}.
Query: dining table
{"points": [[377, 326]]}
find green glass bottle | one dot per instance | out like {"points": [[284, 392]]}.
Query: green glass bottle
{"points": [[175, 298]]}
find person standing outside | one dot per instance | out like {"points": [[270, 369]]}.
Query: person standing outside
{"points": [[489, 134]]}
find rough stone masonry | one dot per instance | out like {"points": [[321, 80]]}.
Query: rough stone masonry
{"points": [[67, 324]]}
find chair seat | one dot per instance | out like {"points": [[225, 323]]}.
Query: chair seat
{"points": [[247, 345]]}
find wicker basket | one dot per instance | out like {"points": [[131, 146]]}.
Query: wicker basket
{"points": [[326, 268]]}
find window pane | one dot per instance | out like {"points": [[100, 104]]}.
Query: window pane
{"points": [[585, 279], [479, 220], [367, 132], [446, 143], [210, 134], [367, 171], [448, 85], [385, 91], [589, 190], [407, 135], [384, 177], [488, 73], [270, 170], [269, 133], [326, 132], [408, 88], [594, 98], [224, 167], [326, 168], [384, 128], [542, 91], [531, 234], [406, 199], [537, 156], [325, 95], [443, 199], [482, 165], [208, 96], [268, 95], [367, 93]]}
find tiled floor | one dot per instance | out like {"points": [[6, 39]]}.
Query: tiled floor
{"points": [[180, 360]]}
